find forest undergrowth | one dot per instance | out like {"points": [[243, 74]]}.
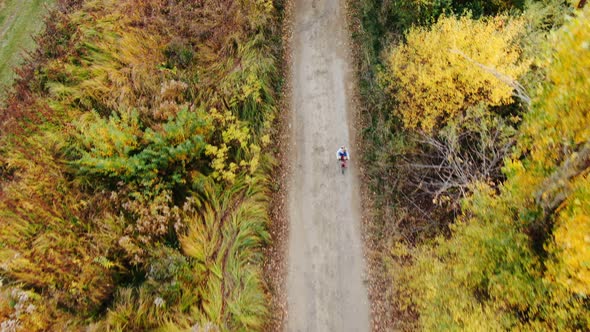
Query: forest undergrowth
{"points": [[475, 131], [135, 153]]}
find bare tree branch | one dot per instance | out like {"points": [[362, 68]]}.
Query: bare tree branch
{"points": [[447, 165], [519, 90], [556, 188]]}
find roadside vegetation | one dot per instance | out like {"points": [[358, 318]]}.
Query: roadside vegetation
{"points": [[19, 20], [477, 145], [134, 168]]}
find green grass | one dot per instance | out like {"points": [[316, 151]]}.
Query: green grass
{"points": [[19, 19]]}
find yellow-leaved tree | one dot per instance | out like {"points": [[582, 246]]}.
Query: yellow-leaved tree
{"points": [[457, 63], [518, 256], [556, 135]]}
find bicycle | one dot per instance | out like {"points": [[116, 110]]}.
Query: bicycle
{"points": [[343, 164]]}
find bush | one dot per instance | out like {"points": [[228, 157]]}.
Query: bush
{"points": [[178, 54]]}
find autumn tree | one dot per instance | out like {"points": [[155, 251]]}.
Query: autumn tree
{"points": [[442, 71], [518, 256], [556, 136]]}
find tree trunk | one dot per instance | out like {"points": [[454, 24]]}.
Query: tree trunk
{"points": [[556, 189]]}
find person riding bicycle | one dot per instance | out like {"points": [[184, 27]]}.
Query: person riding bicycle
{"points": [[342, 154]]}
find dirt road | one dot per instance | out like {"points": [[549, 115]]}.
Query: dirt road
{"points": [[326, 289]]}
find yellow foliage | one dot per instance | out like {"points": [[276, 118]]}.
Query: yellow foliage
{"points": [[571, 249], [234, 133], [562, 113], [552, 132], [493, 267], [437, 73]]}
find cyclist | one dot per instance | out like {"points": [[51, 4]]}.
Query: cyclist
{"points": [[342, 154]]}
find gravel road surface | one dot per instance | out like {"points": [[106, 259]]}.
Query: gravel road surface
{"points": [[326, 269]]}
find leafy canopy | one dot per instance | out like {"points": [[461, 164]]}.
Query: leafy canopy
{"points": [[519, 259], [436, 74]]}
